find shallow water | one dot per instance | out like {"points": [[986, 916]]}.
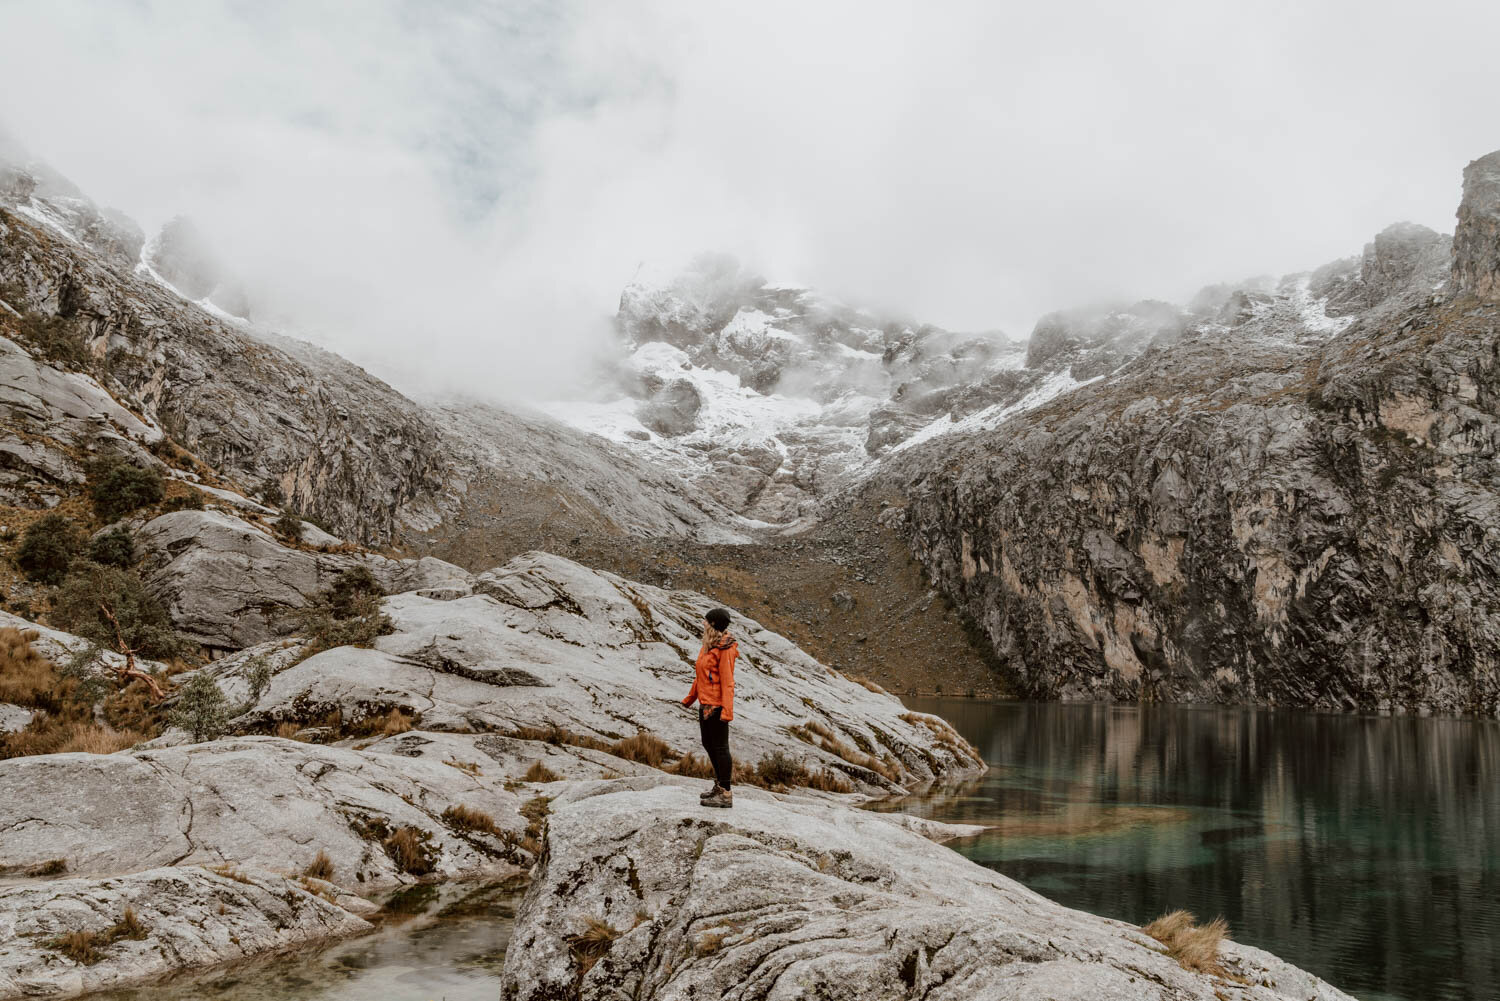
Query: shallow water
{"points": [[438, 943], [1363, 849]]}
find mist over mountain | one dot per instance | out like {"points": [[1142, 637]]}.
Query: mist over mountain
{"points": [[455, 199]]}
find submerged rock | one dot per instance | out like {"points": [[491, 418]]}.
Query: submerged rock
{"points": [[645, 894]]}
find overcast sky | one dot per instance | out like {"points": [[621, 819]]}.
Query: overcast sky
{"points": [[455, 193]]}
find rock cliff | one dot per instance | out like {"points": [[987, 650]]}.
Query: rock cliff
{"points": [[1264, 511]]}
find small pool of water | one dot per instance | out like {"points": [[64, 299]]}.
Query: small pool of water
{"points": [[1363, 849], [436, 943]]}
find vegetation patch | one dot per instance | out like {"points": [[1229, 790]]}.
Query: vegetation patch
{"points": [[48, 548], [539, 772], [822, 736], [1195, 947], [321, 867], [408, 847], [467, 819], [347, 613], [117, 487], [592, 943], [114, 548], [201, 710], [87, 947], [644, 747], [694, 766]]}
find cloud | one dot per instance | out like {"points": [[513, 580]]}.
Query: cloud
{"points": [[454, 194]]}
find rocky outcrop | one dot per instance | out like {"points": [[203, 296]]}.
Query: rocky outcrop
{"points": [[1476, 243], [672, 408], [229, 584], [782, 899], [252, 801], [546, 642], [184, 917], [1291, 511]]}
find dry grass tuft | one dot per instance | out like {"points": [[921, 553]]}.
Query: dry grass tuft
{"points": [[593, 943], [394, 722], [870, 685], [709, 943], [467, 767], [694, 766], [87, 947], [943, 733], [287, 730], [407, 846], [466, 818], [557, 736], [230, 872], [321, 867], [1195, 947], [26, 677], [539, 772], [48, 734], [644, 747]]}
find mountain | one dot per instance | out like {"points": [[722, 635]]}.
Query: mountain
{"points": [[1290, 501], [83, 302]]}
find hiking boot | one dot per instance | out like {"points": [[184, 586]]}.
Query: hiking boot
{"points": [[721, 798], [711, 790]]}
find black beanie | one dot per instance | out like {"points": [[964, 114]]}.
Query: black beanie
{"points": [[718, 618]]}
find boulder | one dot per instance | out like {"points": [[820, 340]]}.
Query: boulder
{"points": [[672, 409], [780, 898], [186, 917], [230, 584]]}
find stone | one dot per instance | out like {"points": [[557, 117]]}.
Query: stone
{"points": [[782, 898], [672, 409]]}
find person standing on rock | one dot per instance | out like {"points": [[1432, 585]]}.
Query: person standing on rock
{"points": [[713, 690]]}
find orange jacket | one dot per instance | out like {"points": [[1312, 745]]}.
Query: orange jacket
{"points": [[713, 681]]}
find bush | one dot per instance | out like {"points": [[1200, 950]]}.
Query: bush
{"points": [[407, 847], [288, 526], [48, 549], [347, 613], [114, 548], [201, 709], [118, 487]]}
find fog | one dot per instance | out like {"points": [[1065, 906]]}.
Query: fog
{"points": [[454, 195]]}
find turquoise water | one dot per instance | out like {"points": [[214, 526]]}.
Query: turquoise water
{"points": [[1363, 849]]}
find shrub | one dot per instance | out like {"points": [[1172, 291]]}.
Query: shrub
{"points": [[780, 769], [270, 493], [321, 867], [57, 340], [348, 612], [114, 548], [288, 526], [466, 818], [1195, 948], [118, 487], [48, 549], [539, 772], [258, 676], [201, 710]]}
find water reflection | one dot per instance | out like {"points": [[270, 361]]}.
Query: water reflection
{"points": [[1366, 850], [434, 942]]}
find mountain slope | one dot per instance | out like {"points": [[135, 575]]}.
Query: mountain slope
{"points": [[1255, 513]]}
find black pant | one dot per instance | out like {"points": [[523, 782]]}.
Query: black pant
{"points": [[715, 734]]}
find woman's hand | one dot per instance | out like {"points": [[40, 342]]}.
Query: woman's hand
{"points": [[713, 713]]}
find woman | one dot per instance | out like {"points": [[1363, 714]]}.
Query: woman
{"points": [[713, 690]]}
